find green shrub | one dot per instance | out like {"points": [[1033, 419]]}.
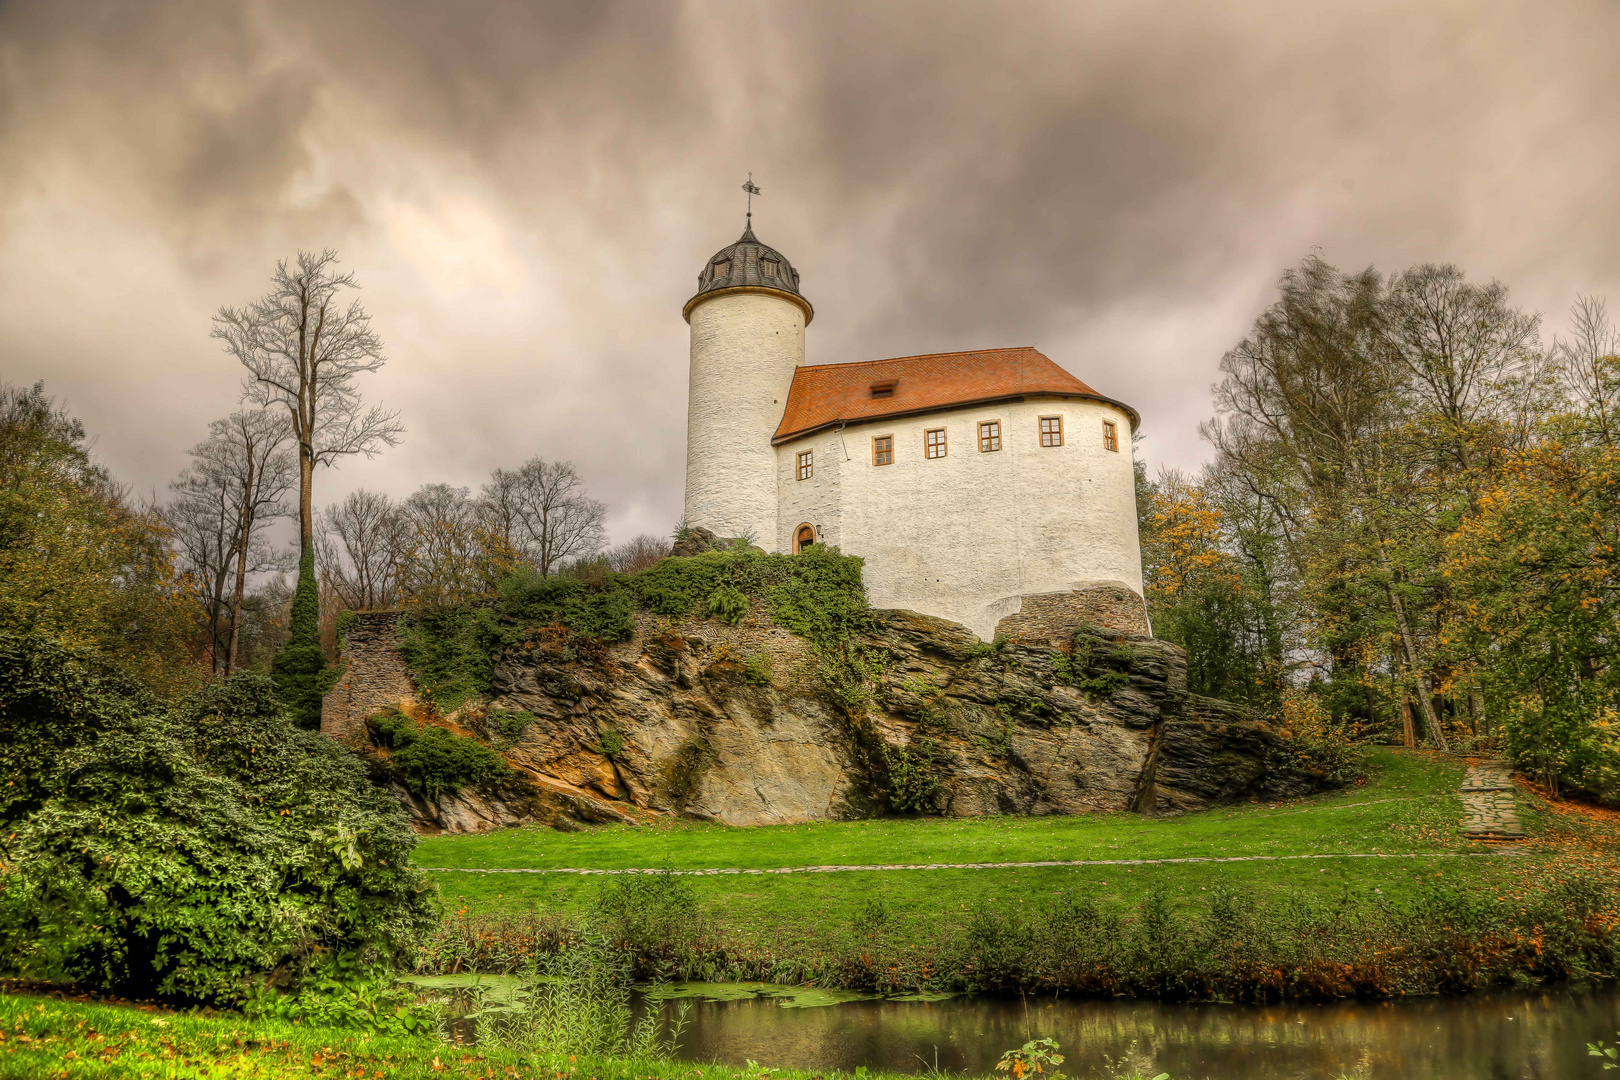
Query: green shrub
{"points": [[726, 604], [511, 723], [651, 918], [179, 852], [913, 780], [344, 992], [432, 761], [758, 670]]}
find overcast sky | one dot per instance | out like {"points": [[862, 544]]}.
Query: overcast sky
{"points": [[527, 192]]}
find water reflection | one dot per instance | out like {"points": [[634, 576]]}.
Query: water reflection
{"points": [[1492, 1037]]}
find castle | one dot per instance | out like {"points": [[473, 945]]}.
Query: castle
{"points": [[988, 487]]}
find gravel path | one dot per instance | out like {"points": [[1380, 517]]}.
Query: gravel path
{"points": [[1490, 811], [964, 866]]}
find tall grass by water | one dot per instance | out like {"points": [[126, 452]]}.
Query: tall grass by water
{"points": [[1229, 945]]}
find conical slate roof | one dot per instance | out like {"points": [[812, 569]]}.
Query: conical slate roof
{"points": [[749, 264]]}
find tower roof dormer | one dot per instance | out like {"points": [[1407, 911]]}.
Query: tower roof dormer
{"points": [[749, 266]]}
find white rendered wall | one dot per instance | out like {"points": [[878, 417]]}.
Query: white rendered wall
{"points": [[965, 536], [815, 501], [744, 349]]}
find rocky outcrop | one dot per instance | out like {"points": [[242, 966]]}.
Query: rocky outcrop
{"points": [[747, 724]]}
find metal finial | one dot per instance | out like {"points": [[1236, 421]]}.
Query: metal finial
{"points": [[752, 189]]}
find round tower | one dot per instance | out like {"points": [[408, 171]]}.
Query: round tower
{"points": [[748, 322]]}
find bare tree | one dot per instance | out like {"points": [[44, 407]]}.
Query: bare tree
{"points": [[1589, 362], [302, 348], [541, 510], [1462, 346], [638, 554], [452, 555], [253, 450], [224, 499], [365, 540], [202, 528]]}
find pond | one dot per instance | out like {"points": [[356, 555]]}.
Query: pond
{"points": [[1500, 1036]]}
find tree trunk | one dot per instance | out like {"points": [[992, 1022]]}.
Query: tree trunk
{"points": [[306, 503], [246, 526], [1408, 728], [1425, 691]]}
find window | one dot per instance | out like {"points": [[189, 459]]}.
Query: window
{"points": [[803, 537], [1110, 436], [769, 266], [1051, 431], [934, 443], [806, 465], [883, 450], [883, 389], [989, 436], [722, 268]]}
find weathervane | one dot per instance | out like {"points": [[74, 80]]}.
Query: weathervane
{"points": [[752, 189]]}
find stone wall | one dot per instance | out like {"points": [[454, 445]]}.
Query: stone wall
{"points": [[374, 679], [1054, 617]]}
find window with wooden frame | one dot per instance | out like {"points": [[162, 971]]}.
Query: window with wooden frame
{"points": [[1051, 431], [1110, 436], [883, 450], [989, 436], [806, 464], [722, 268], [934, 442], [769, 266]]}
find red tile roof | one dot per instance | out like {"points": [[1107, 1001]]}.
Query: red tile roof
{"points": [[826, 394]]}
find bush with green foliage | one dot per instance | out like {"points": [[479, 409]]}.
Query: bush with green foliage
{"points": [[181, 852], [913, 776], [432, 761], [344, 992], [653, 920]]}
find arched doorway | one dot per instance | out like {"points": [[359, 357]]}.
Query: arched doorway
{"points": [[803, 537]]}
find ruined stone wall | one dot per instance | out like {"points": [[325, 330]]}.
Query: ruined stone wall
{"points": [[375, 677], [1054, 617]]}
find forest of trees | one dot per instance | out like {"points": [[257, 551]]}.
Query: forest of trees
{"points": [[1410, 517], [1406, 530]]}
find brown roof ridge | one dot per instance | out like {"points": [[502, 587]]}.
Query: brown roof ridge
{"points": [[934, 356]]}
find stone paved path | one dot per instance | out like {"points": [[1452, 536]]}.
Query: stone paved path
{"points": [[1490, 811], [965, 866]]}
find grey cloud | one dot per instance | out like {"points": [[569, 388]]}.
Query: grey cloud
{"points": [[527, 190]]}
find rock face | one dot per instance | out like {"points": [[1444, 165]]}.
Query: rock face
{"points": [[748, 725]]}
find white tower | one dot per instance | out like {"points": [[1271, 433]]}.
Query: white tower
{"points": [[748, 322]]}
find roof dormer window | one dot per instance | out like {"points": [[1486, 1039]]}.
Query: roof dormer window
{"points": [[722, 268], [883, 389], [770, 266]]}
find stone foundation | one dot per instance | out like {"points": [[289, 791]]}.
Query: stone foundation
{"points": [[374, 679], [1054, 617]]}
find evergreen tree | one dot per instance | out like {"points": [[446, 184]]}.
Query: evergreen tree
{"points": [[300, 671]]}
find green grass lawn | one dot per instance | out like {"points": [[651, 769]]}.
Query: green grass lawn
{"points": [[1409, 804], [44, 1037]]}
